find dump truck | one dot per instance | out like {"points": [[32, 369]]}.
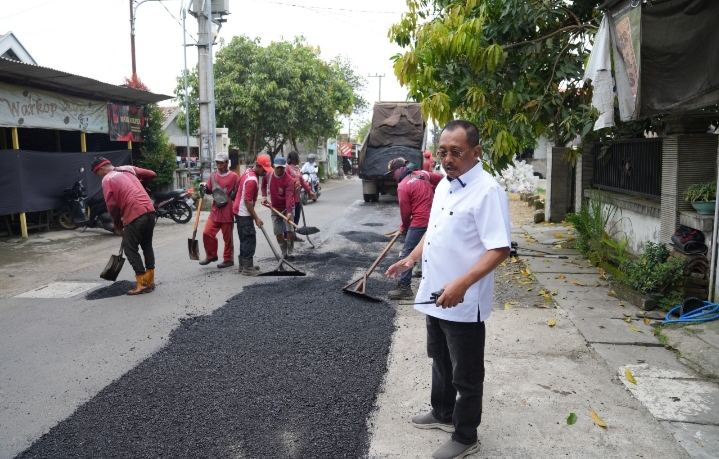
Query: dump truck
{"points": [[398, 131]]}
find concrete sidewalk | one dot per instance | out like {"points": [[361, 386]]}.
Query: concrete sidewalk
{"points": [[537, 374]]}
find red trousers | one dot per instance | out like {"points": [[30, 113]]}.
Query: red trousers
{"points": [[209, 238]]}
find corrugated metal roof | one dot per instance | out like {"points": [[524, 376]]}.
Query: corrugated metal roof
{"points": [[54, 80]]}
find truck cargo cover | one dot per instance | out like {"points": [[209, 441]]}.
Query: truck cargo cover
{"points": [[397, 124]]}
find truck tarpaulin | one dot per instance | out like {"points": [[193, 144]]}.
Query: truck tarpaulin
{"points": [[33, 181], [397, 124], [377, 159]]}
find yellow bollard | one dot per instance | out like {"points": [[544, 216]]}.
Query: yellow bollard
{"points": [[83, 143], [23, 225]]}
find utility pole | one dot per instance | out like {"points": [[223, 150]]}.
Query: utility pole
{"points": [[206, 86], [132, 37], [380, 84]]}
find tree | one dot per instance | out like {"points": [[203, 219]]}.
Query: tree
{"points": [[155, 152], [513, 67], [363, 130], [284, 92]]}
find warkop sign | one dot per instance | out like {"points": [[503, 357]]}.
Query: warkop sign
{"points": [[125, 122], [35, 108]]}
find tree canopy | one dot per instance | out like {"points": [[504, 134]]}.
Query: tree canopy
{"points": [[513, 67], [283, 92]]}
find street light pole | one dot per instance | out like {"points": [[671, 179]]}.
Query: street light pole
{"points": [[380, 84]]}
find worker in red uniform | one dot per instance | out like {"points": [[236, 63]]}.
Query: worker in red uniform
{"points": [[428, 164], [246, 215], [133, 214], [293, 168], [282, 199], [221, 218], [415, 193]]}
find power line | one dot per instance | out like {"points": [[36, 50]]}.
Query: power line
{"points": [[332, 8], [28, 9], [177, 20]]}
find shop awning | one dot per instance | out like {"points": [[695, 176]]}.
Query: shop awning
{"points": [[20, 73]]}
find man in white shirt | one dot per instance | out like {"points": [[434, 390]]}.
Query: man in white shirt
{"points": [[467, 237]]}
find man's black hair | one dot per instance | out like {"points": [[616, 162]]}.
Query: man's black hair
{"points": [[469, 128], [97, 160], [293, 157]]}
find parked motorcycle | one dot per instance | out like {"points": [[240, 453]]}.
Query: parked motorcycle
{"points": [[175, 204], [74, 210], [314, 183]]}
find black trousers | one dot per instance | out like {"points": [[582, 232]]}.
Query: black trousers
{"points": [[457, 350], [138, 234], [248, 236]]}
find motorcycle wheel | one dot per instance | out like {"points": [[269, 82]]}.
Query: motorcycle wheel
{"points": [[181, 212], [66, 221], [303, 198]]}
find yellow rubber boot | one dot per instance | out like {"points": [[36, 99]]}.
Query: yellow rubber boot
{"points": [[142, 286], [150, 281]]}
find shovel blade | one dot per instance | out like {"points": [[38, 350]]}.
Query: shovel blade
{"points": [[113, 268], [362, 295], [282, 273], [307, 230], [194, 248]]}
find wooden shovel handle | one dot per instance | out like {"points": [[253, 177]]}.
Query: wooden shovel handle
{"points": [[197, 218]]}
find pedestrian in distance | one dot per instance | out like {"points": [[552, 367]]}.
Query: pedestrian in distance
{"points": [[246, 214], [282, 198], [293, 168], [415, 193], [222, 185], [428, 164], [468, 236], [133, 214]]}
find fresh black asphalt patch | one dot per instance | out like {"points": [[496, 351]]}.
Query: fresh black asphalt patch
{"points": [[118, 288], [288, 369], [364, 237]]}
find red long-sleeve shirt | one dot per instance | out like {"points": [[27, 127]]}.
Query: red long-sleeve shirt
{"points": [[282, 191], [415, 194], [248, 190], [294, 171], [125, 195], [228, 183], [428, 165]]}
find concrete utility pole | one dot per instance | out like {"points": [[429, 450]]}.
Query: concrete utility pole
{"points": [[380, 84], [132, 37], [208, 139]]}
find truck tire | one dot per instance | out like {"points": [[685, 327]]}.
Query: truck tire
{"points": [[368, 197], [375, 197]]}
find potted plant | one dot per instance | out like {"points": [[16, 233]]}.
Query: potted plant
{"points": [[702, 196]]}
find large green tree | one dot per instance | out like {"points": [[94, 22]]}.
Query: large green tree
{"points": [[284, 92], [511, 66]]}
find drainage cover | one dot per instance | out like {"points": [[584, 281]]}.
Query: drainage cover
{"points": [[59, 290]]}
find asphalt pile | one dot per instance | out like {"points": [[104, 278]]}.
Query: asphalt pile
{"points": [[118, 288], [288, 369]]}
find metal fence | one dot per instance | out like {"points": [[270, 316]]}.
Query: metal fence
{"points": [[632, 166]]}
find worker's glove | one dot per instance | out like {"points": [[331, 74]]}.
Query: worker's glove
{"points": [[202, 190]]}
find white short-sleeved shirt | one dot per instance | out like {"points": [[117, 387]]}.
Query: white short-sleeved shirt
{"points": [[470, 215]]}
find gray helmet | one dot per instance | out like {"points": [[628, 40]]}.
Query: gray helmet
{"points": [[311, 158]]}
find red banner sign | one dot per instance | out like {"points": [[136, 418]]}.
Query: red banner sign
{"points": [[125, 122]]}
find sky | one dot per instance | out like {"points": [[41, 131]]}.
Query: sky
{"points": [[92, 37]]}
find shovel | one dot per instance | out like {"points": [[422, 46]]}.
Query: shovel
{"points": [[305, 230], [114, 266], [280, 270], [192, 246], [361, 288]]}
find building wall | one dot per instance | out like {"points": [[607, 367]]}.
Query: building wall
{"points": [[639, 228]]}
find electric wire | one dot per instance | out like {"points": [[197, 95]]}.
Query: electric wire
{"points": [[177, 20]]}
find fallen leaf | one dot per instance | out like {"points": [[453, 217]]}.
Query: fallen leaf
{"points": [[596, 284], [630, 377], [621, 304], [503, 264], [576, 282], [646, 321], [602, 274], [542, 305], [506, 306], [628, 320], [612, 293], [559, 235], [555, 293], [597, 420], [547, 298], [570, 238], [626, 314], [571, 419], [525, 282], [552, 322], [635, 329], [561, 276], [529, 289], [524, 400]]}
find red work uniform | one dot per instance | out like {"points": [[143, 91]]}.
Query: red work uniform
{"points": [[282, 191], [124, 194], [428, 165], [294, 171], [220, 217], [415, 194]]}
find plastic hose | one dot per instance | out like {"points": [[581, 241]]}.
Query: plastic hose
{"points": [[706, 313]]}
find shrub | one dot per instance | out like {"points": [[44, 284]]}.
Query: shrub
{"points": [[701, 192], [654, 271], [595, 227]]}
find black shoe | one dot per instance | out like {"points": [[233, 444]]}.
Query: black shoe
{"points": [[207, 261], [402, 292], [226, 264]]}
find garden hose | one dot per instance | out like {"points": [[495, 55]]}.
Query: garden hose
{"points": [[706, 313]]}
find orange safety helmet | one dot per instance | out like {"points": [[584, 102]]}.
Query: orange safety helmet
{"points": [[427, 154]]}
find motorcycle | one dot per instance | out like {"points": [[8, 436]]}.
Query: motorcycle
{"points": [[314, 184], [74, 210], [175, 204]]}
